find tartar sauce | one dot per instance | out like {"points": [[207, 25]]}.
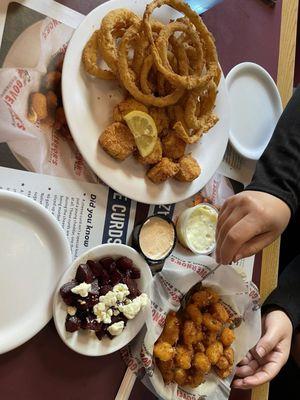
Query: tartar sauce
{"points": [[196, 228]]}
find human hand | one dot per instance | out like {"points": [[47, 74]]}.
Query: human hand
{"points": [[270, 354], [248, 222]]}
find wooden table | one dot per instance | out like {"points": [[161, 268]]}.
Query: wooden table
{"points": [[43, 368]]}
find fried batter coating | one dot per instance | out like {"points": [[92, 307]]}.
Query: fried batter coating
{"points": [[194, 314], [154, 157], [195, 379], [183, 357], [170, 332], [52, 80], [162, 171], [160, 117], [218, 311], [190, 333], [173, 146], [117, 141], [51, 100], [37, 107], [201, 362], [163, 351], [211, 323], [125, 107], [199, 347], [223, 373], [227, 336], [180, 376], [222, 363], [214, 352], [189, 169], [210, 337], [166, 369], [229, 354], [205, 297]]}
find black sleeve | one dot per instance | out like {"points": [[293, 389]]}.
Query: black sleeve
{"points": [[278, 170], [287, 294]]}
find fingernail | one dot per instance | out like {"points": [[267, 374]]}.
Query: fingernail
{"points": [[261, 351], [238, 258]]}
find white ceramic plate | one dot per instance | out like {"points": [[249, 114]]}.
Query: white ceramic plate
{"points": [[34, 253], [255, 106], [86, 342], [88, 106]]}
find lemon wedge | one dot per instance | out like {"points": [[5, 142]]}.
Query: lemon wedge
{"points": [[143, 128]]}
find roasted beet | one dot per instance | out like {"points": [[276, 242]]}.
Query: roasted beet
{"points": [[104, 278], [106, 262], [102, 332], [112, 268], [96, 267], [84, 274], [124, 263], [105, 289], [132, 287], [95, 288], [118, 318], [115, 277], [135, 273], [90, 322], [73, 323], [65, 291]]}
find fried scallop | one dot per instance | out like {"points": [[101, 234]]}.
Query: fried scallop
{"points": [[173, 146], [154, 157], [117, 141], [125, 107], [160, 117], [162, 171], [189, 169]]}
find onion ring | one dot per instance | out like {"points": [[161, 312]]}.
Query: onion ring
{"points": [[113, 25], [207, 104], [89, 59], [127, 75], [212, 67]]}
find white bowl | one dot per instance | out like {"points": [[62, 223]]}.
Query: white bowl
{"points": [[84, 341]]}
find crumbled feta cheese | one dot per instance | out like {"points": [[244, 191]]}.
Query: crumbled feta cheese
{"points": [[116, 328], [81, 301], [121, 291], [132, 309], [103, 314], [107, 317], [71, 310], [127, 301], [82, 289], [110, 299], [116, 312]]}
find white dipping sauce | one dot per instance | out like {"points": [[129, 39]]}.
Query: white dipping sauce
{"points": [[156, 238]]}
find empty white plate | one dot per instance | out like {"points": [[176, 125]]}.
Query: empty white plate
{"points": [[255, 107], [34, 253]]}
